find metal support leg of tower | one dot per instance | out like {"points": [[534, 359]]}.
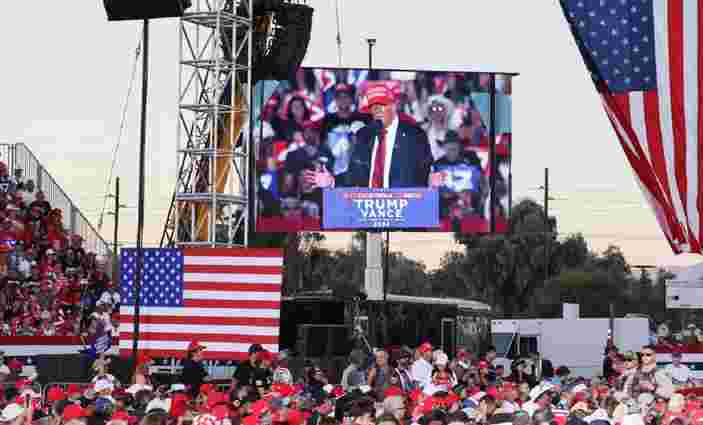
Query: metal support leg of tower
{"points": [[210, 202]]}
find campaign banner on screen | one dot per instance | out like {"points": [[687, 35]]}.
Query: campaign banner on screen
{"points": [[321, 130], [361, 208]]}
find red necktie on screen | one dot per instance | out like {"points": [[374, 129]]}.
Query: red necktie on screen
{"points": [[379, 165]]}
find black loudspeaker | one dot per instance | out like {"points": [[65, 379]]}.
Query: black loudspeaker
{"points": [[63, 368], [126, 10], [289, 44]]}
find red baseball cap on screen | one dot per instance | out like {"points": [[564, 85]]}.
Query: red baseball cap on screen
{"points": [[376, 94]]}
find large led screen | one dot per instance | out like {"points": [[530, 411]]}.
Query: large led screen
{"points": [[354, 128]]}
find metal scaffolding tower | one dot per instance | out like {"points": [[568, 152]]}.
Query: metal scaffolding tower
{"points": [[210, 202]]}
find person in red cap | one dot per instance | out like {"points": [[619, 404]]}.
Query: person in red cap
{"points": [[142, 374], [194, 373], [422, 368], [388, 153]]}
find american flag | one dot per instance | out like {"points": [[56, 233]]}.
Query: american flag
{"points": [[225, 298], [644, 57]]}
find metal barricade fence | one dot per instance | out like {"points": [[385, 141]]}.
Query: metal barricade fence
{"points": [[20, 157]]}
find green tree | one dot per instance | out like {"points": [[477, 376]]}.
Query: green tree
{"points": [[506, 270], [592, 290]]}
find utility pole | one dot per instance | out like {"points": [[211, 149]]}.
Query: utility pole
{"points": [[546, 225], [375, 275], [115, 232]]}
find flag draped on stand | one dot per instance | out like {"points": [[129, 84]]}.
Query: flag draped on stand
{"points": [[644, 58], [225, 298]]}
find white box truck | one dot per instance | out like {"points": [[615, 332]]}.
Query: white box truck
{"points": [[578, 343]]}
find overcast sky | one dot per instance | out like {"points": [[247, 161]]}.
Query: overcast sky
{"points": [[66, 72]]}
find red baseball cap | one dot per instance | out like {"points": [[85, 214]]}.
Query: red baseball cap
{"points": [[195, 346], [73, 411], [206, 388], [264, 356], [215, 398], [483, 364], [393, 392], [55, 394], [73, 389], [259, 407], [377, 94], [284, 390], [425, 347], [143, 359]]}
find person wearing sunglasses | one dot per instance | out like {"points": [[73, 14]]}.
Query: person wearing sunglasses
{"points": [[648, 379]]}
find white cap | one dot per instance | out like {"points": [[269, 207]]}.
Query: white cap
{"points": [[635, 419], [478, 396], [539, 390], [103, 385], [137, 387], [441, 359], [4, 370], [157, 403], [580, 388], [177, 387], [11, 412]]}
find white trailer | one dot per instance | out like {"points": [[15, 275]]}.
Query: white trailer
{"points": [[578, 343]]}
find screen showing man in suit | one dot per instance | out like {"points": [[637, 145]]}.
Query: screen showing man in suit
{"points": [[382, 129]]}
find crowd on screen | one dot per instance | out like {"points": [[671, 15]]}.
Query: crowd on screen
{"points": [[49, 284], [311, 124], [421, 386]]}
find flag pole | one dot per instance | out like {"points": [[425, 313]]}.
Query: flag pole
{"points": [[140, 207]]}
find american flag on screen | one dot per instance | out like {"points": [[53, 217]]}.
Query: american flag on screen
{"points": [[644, 56], [226, 298]]}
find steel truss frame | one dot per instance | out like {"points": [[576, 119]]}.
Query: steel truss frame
{"points": [[210, 203]]}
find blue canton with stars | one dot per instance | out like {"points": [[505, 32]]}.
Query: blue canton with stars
{"points": [[162, 277], [616, 39]]}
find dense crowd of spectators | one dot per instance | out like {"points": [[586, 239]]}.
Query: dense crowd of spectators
{"points": [[420, 387], [311, 124], [49, 284]]}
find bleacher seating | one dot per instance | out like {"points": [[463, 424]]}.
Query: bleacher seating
{"points": [[50, 283]]}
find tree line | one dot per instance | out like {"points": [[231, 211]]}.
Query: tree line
{"points": [[529, 271]]}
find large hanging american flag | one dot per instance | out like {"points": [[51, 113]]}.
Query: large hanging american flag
{"points": [[225, 298], [644, 57]]}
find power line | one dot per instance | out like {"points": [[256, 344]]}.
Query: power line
{"points": [[123, 122]]}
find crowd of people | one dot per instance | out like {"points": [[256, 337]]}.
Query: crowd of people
{"points": [[313, 123], [421, 386], [49, 284]]}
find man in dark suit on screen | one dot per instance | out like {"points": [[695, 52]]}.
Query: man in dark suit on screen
{"points": [[389, 153]]}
